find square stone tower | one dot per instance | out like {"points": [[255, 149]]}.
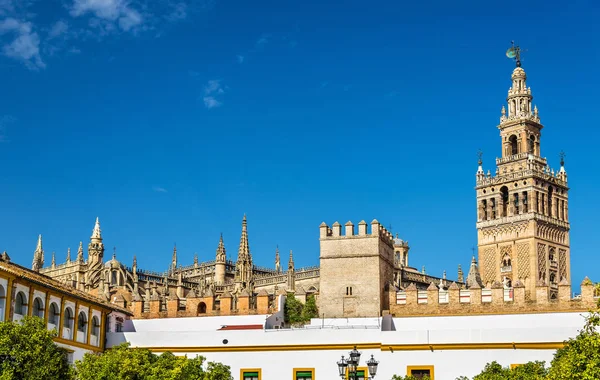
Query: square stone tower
{"points": [[356, 270], [523, 219]]}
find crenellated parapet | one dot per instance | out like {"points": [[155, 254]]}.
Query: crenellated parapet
{"points": [[377, 230], [493, 300]]}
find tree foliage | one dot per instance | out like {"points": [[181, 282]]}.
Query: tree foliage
{"points": [[30, 352], [125, 363], [309, 310], [579, 359], [292, 310]]}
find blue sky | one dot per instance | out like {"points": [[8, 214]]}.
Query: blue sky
{"points": [[170, 120]]}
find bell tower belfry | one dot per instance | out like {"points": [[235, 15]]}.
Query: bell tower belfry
{"points": [[522, 210]]}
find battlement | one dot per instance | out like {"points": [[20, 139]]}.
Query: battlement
{"points": [[494, 300], [335, 231]]}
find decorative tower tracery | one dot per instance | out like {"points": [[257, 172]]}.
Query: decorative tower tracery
{"points": [[38, 256], [243, 265], [95, 247], [220, 262], [522, 219]]}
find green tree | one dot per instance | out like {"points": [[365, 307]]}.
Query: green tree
{"points": [[309, 310], [579, 359], [125, 363], [31, 352], [292, 310]]}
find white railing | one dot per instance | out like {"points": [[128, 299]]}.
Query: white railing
{"points": [[67, 333], [443, 296], [506, 269], [486, 295], [465, 296], [422, 296], [81, 336], [401, 298]]}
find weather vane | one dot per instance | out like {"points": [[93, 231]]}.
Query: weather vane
{"points": [[480, 155], [514, 52], [562, 158]]}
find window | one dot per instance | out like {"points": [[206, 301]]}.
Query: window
{"points": [[420, 371], [250, 374], [21, 304], [38, 308], [348, 290], [68, 323], [516, 200], [361, 372], [485, 211], [504, 195], [82, 322], [2, 302], [532, 144], [54, 315], [201, 308], [95, 326], [550, 190], [514, 145], [304, 374]]}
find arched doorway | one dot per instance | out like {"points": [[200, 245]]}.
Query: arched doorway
{"points": [[201, 308]]}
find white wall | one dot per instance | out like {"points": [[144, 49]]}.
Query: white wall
{"points": [[193, 336]]}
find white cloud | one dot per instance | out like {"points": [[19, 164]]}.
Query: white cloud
{"points": [[262, 40], [159, 189], [58, 29], [179, 11], [110, 11], [25, 43], [212, 90], [240, 58], [211, 102]]}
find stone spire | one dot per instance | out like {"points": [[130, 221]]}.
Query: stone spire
{"points": [[221, 254], [291, 261], [244, 249], [80, 252], [95, 247], [195, 259], [38, 256], [174, 258], [97, 232], [68, 255], [53, 264], [461, 275], [291, 273], [134, 262], [474, 277], [244, 260], [277, 261]]}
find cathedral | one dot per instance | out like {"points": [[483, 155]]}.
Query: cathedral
{"points": [[523, 242]]}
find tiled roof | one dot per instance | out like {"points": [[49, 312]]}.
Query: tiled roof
{"points": [[242, 327], [53, 284]]}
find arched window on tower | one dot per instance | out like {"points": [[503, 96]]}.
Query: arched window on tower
{"points": [[550, 191], [514, 145], [504, 194], [532, 144]]}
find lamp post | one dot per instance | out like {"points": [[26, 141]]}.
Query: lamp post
{"points": [[350, 366]]}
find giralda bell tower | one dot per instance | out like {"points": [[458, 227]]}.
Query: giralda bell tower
{"points": [[522, 210]]}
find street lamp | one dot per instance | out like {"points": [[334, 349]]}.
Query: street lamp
{"points": [[350, 366]]}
